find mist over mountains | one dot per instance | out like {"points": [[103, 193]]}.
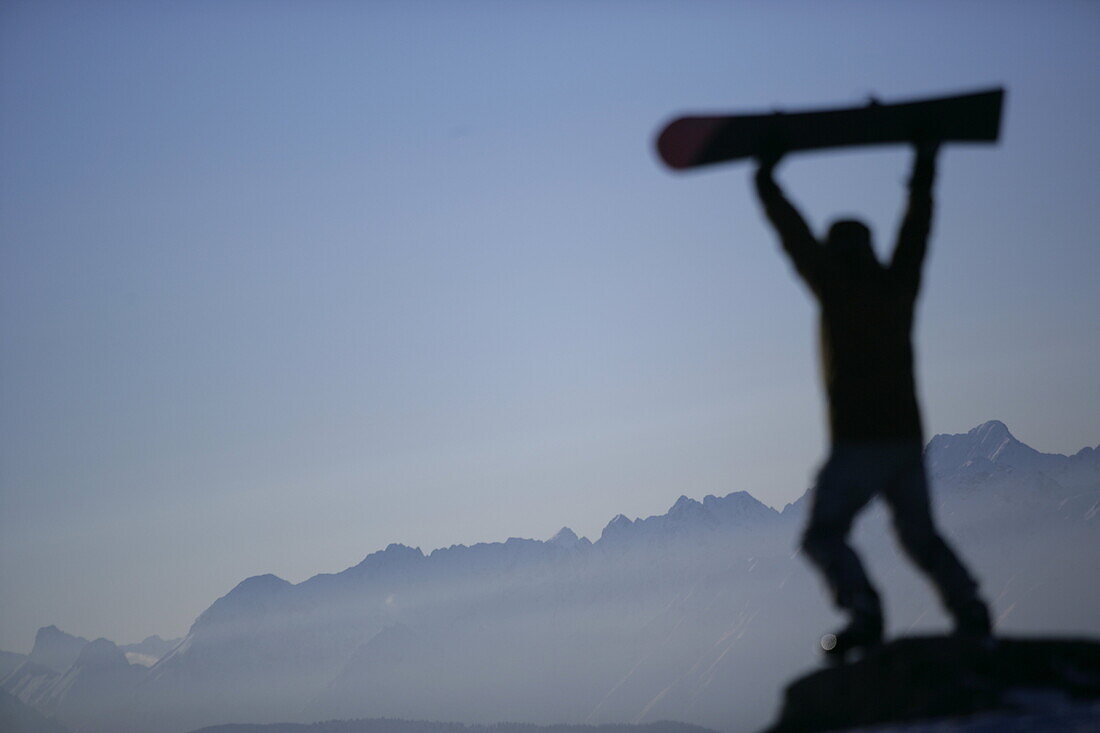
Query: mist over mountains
{"points": [[699, 614]]}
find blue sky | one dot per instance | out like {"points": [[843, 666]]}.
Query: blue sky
{"points": [[283, 282]]}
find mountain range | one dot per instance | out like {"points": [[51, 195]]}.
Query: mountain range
{"points": [[698, 614]]}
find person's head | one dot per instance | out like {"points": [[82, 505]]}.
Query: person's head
{"points": [[849, 241]]}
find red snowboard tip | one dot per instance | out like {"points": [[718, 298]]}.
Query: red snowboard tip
{"points": [[683, 140]]}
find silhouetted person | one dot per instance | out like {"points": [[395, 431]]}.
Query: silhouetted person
{"points": [[877, 440]]}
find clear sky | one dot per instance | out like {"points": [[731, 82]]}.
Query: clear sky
{"points": [[284, 282]]}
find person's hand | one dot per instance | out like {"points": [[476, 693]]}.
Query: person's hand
{"points": [[927, 149], [768, 159], [924, 164]]}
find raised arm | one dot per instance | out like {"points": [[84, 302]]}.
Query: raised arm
{"points": [[913, 237], [797, 240]]}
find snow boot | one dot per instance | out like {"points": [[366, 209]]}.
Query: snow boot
{"points": [[972, 622], [860, 636]]}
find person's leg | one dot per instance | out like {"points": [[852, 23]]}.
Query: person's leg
{"points": [[842, 490], [907, 495]]}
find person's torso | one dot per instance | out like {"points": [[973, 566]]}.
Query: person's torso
{"points": [[867, 356]]}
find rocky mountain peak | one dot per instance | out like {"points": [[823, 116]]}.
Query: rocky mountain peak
{"points": [[99, 653], [567, 539], [55, 649]]}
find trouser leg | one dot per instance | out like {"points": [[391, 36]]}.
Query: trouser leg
{"points": [[912, 513], [838, 497]]}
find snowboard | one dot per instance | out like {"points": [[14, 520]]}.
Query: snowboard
{"points": [[689, 142]]}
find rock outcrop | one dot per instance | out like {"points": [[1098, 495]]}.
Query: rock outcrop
{"points": [[936, 678]]}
